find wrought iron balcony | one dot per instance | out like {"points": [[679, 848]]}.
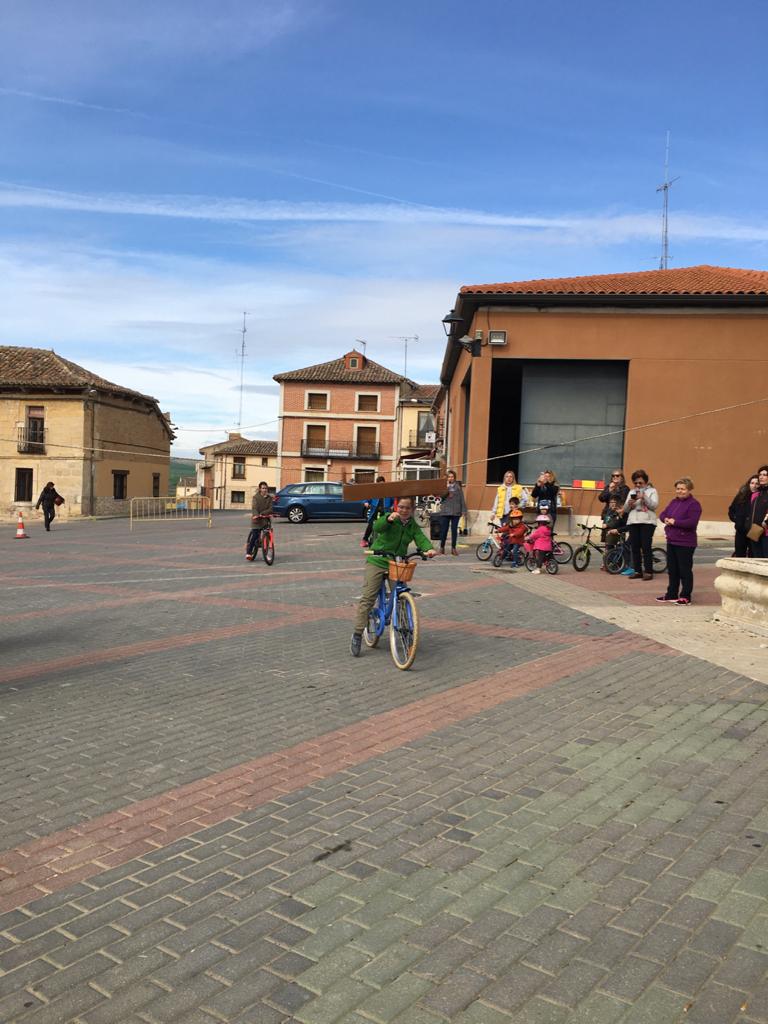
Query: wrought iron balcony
{"points": [[418, 439], [340, 450], [31, 440]]}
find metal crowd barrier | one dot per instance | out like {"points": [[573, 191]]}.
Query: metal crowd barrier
{"points": [[160, 510]]}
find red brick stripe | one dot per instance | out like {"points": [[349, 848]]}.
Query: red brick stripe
{"points": [[53, 863]]}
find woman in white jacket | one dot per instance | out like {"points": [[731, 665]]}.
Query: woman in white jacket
{"points": [[641, 504]]}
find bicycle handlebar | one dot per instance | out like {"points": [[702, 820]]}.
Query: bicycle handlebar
{"points": [[406, 558]]}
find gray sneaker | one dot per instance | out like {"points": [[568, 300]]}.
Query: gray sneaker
{"points": [[355, 645]]}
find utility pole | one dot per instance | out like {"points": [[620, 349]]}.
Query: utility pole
{"points": [[243, 332], [664, 189]]}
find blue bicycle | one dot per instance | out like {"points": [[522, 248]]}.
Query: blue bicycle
{"points": [[396, 608]]}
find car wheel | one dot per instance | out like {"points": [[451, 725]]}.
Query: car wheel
{"points": [[296, 514]]}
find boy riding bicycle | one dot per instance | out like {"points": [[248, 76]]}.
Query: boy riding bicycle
{"points": [[261, 514], [393, 534]]}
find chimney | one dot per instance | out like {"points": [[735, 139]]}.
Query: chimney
{"points": [[234, 436]]}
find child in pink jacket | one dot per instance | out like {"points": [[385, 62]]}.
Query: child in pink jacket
{"points": [[539, 540]]}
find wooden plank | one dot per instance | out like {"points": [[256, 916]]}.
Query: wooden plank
{"points": [[395, 489]]}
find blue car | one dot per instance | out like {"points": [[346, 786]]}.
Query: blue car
{"points": [[300, 502]]}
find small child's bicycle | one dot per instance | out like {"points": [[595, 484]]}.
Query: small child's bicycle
{"points": [[486, 548], [549, 563], [396, 608]]}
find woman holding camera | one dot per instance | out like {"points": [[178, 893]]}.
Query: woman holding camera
{"points": [[640, 506]]}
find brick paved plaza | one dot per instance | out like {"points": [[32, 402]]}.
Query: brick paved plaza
{"points": [[211, 813]]}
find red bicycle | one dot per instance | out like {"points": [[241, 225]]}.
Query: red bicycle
{"points": [[266, 543]]}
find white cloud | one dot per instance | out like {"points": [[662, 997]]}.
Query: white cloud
{"points": [[597, 228]]}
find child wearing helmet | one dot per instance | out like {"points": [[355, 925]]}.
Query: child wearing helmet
{"points": [[540, 540], [516, 535]]}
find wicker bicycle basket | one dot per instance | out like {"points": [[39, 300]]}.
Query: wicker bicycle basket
{"points": [[401, 572]]}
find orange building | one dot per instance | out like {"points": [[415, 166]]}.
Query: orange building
{"points": [[586, 374]]}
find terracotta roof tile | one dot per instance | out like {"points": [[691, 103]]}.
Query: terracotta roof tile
{"points": [[43, 368], [336, 372], [242, 447], [424, 392], [699, 280]]}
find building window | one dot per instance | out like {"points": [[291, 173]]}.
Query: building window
{"points": [[317, 400], [315, 442], [155, 485], [238, 497], [313, 474], [366, 442], [264, 461], [367, 403], [353, 363], [426, 427], [119, 484], [23, 490], [34, 430], [365, 476], [238, 468]]}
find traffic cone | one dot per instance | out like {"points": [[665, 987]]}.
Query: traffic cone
{"points": [[21, 533]]}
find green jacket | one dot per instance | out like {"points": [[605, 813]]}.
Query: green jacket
{"points": [[396, 538]]}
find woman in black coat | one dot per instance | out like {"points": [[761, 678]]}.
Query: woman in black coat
{"points": [[616, 489], [49, 499], [738, 513], [758, 514]]}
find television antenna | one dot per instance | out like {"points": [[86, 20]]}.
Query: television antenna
{"points": [[359, 341], [243, 332], [664, 189], [405, 338]]}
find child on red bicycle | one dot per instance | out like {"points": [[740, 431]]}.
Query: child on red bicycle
{"points": [[514, 538], [261, 516]]}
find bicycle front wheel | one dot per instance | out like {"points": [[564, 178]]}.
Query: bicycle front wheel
{"points": [[404, 631], [268, 548], [659, 559], [562, 552], [484, 551], [581, 558], [613, 559]]}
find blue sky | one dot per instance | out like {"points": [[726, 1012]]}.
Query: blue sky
{"points": [[340, 168]]}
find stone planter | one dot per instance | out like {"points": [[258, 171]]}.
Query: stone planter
{"points": [[743, 589]]}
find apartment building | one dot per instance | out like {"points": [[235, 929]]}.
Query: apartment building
{"points": [[231, 471]]}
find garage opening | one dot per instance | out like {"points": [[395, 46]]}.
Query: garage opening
{"points": [[537, 403]]}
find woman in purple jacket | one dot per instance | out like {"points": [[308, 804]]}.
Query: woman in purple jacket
{"points": [[680, 519]]}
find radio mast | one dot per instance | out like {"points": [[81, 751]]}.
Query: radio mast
{"points": [[243, 332], [664, 189]]}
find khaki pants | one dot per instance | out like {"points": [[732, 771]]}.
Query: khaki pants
{"points": [[374, 574]]}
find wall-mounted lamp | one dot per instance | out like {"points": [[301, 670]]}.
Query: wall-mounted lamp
{"points": [[497, 337], [471, 345], [450, 320]]}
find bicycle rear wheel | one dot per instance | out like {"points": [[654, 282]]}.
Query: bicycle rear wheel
{"points": [[581, 558], [498, 558], [562, 552], [551, 565], [372, 631], [659, 559], [268, 548], [484, 550], [404, 631]]}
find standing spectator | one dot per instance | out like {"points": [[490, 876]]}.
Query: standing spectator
{"points": [[758, 515], [545, 495], [509, 489], [680, 519], [50, 499], [641, 504], [739, 514], [376, 507], [452, 508], [616, 488]]}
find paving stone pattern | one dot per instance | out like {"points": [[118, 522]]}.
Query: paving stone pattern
{"points": [[588, 847]]}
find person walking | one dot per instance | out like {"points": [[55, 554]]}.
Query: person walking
{"points": [[739, 514], [452, 508], [758, 516], [640, 506], [680, 519], [50, 499]]}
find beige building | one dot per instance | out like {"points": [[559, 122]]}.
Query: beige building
{"points": [[417, 431], [231, 471], [101, 444]]}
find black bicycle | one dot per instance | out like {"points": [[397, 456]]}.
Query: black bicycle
{"points": [[612, 558]]}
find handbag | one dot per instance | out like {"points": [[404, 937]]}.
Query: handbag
{"points": [[58, 500], [755, 532]]}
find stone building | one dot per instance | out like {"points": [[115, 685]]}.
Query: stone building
{"points": [[100, 443]]}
